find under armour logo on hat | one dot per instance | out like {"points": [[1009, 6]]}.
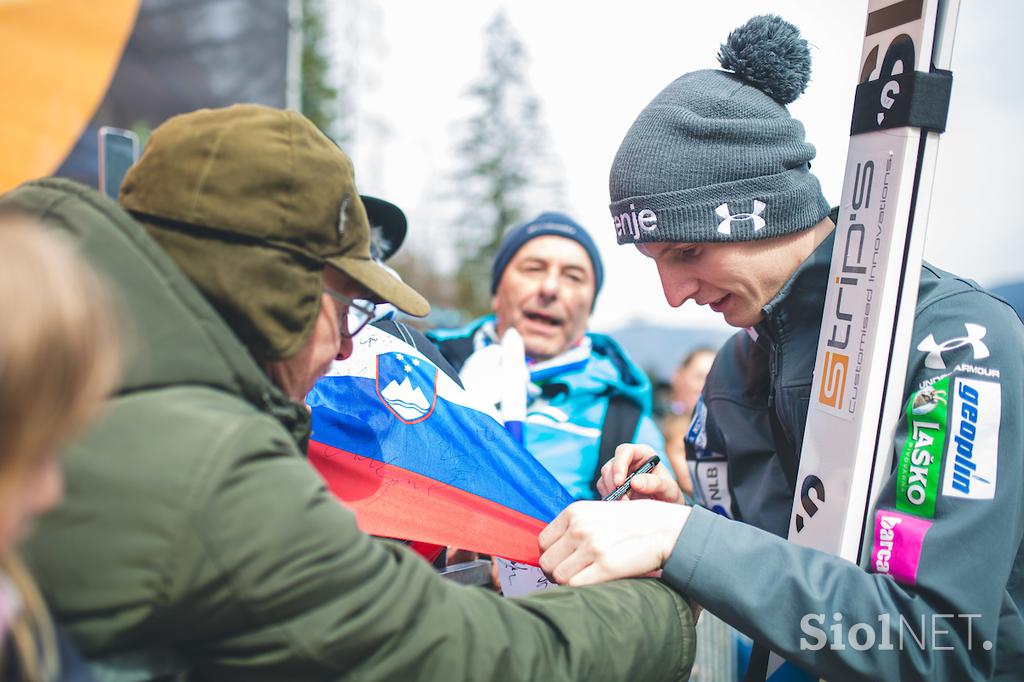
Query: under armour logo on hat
{"points": [[725, 227]]}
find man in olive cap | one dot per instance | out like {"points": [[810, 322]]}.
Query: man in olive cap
{"points": [[196, 542]]}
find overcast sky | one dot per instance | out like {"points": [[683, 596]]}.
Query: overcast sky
{"points": [[594, 66]]}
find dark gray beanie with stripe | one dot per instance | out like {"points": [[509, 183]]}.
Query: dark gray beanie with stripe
{"points": [[716, 156]]}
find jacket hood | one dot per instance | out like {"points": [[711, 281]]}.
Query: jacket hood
{"points": [[624, 376], [175, 335]]}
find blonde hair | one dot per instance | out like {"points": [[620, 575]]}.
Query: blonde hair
{"points": [[59, 358]]}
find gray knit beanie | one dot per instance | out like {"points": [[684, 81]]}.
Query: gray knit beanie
{"points": [[716, 156]]}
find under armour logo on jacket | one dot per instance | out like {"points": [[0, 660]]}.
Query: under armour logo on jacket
{"points": [[975, 334], [725, 227]]}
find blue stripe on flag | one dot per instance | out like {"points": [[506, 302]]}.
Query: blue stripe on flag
{"points": [[453, 444]]}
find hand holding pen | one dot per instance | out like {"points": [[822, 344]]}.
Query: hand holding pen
{"points": [[645, 468], [647, 477]]}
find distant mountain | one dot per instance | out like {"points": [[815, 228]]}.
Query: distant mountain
{"points": [[659, 349], [1013, 294]]}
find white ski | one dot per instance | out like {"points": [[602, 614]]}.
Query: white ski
{"points": [[864, 343]]}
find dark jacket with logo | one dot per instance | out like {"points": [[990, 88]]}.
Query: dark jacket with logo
{"points": [[947, 540], [196, 542]]}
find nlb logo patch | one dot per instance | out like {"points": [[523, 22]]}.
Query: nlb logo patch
{"points": [[975, 334], [407, 385], [833, 381], [711, 478], [973, 447], [728, 218], [898, 542]]}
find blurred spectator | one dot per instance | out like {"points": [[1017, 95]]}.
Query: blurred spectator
{"points": [[196, 542], [686, 384], [585, 396], [59, 358], [688, 380]]}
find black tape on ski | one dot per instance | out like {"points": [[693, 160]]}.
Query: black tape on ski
{"points": [[916, 99]]}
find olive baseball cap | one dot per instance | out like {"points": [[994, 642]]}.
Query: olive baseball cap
{"points": [[253, 203]]}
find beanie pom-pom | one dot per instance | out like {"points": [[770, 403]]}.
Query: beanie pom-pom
{"points": [[769, 53]]}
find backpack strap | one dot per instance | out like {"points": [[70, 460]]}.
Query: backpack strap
{"points": [[456, 350], [620, 422]]}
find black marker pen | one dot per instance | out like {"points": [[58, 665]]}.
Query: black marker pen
{"points": [[645, 468]]}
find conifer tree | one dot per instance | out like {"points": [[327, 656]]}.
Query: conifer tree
{"points": [[323, 101], [506, 172]]}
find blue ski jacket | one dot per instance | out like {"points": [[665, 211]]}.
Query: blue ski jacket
{"points": [[564, 418], [940, 591]]}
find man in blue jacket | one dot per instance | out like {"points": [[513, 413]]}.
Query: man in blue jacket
{"points": [[585, 396], [713, 184]]}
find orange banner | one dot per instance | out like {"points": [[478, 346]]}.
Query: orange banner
{"points": [[58, 59]]}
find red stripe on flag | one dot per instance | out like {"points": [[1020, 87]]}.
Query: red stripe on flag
{"points": [[393, 502], [427, 550]]}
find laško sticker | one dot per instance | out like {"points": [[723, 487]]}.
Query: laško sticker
{"points": [[917, 478]]}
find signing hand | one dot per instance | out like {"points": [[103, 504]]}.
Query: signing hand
{"points": [[657, 485], [593, 542]]}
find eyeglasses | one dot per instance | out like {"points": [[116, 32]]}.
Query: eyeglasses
{"points": [[360, 311]]}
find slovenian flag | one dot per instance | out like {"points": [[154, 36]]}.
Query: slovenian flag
{"points": [[416, 458]]}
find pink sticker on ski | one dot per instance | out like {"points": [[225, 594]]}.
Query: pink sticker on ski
{"points": [[898, 541]]}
